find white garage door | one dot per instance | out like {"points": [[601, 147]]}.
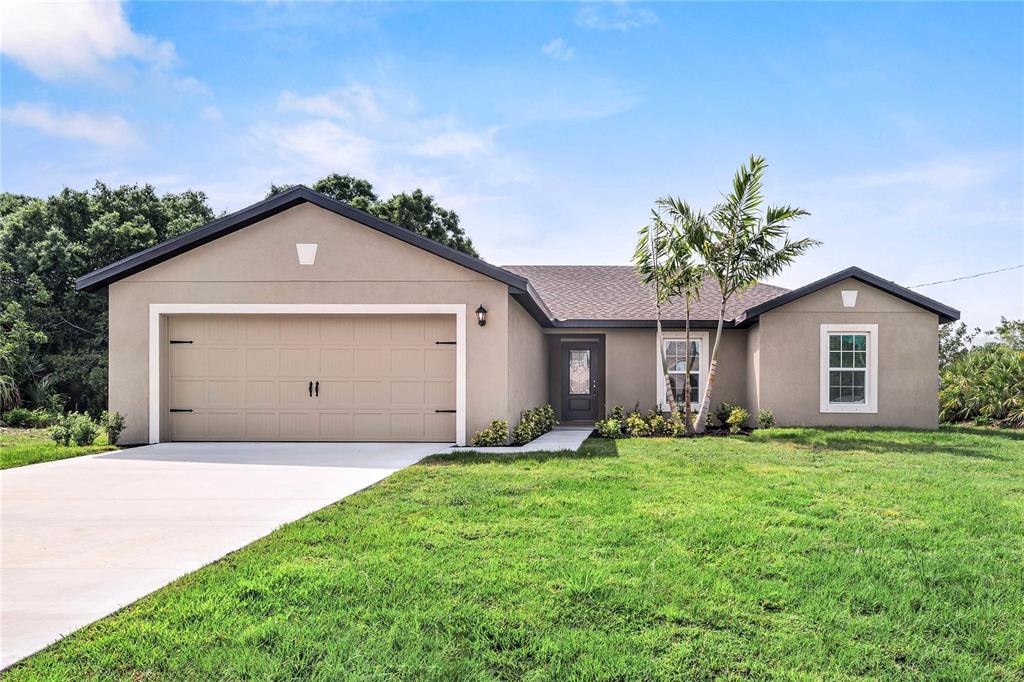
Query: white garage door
{"points": [[285, 377]]}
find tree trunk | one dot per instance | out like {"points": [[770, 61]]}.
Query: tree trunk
{"points": [[705, 404], [687, 398], [670, 397]]}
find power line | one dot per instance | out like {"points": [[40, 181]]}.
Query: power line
{"points": [[957, 279]]}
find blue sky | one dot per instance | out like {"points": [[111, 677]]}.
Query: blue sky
{"points": [[552, 128]]}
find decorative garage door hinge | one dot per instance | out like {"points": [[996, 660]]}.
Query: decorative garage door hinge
{"points": [[444, 411], [445, 343], [174, 409], [173, 341]]}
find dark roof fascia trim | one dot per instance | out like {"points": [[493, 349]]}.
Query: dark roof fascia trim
{"points": [[945, 313], [272, 206], [639, 324]]}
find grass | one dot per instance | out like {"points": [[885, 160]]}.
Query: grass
{"points": [[19, 447], [790, 554]]}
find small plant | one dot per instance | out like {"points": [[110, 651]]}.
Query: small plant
{"points": [[113, 424], [637, 426], [609, 428], [533, 424], [675, 425], [765, 419], [74, 427], [737, 418], [723, 411], [658, 424], [24, 418], [618, 414], [494, 435]]}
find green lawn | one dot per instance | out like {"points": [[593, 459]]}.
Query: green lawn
{"points": [[19, 447], [793, 554]]}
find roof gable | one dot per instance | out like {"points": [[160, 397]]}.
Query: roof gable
{"points": [[945, 313], [278, 203]]}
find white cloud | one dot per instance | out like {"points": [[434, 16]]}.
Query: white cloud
{"points": [[614, 16], [320, 145], [340, 103], [455, 143], [74, 39], [107, 130], [191, 86], [557, 49], [941, 175]]}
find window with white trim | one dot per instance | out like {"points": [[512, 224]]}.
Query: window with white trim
{"points": [[849, 368], [683, 368]]}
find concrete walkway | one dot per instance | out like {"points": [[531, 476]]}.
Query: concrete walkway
{"points": [[560, 438], [81, 538]]}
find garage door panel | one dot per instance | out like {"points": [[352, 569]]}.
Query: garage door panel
{"points": [[294, 394], [299, 426], [247, 377], [334, 394], [407, 393], [336, 426], [265, 329], [226, 425], [370, 426], [260, 394], [407, 362], [371, 330], [261, 362], [299, 362], [438, 427], [336, 362], [261, 426], [439, 362], [371, 362], [188, 394], [407, 426], [225, 362], [223, 394]]}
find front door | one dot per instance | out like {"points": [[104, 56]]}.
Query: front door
{"points": [[580, 389]]}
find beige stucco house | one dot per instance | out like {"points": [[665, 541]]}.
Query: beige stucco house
{"points": [[302, 318]]}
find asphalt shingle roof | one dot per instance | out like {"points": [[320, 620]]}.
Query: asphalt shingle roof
{"points": [[613, 292]]}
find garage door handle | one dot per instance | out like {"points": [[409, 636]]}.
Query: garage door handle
{"points": [[311, 389], [318, 389]]}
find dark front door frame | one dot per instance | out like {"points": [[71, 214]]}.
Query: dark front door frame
{"points": [[558, 346]]}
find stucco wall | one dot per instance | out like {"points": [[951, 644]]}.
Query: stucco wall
{"points": [[527, 362], [753, 401], [907, 358], [354, 264]]}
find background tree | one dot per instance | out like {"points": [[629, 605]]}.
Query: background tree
{"points": [[742, 248], [954, 341], [56, 338], [417, 211]]}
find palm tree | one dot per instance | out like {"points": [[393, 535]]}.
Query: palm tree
{"points": [[686, 246], [649, 261], [742, 248]]}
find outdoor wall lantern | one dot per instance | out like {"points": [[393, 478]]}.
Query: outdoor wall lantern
{"points": [[481, 315]]}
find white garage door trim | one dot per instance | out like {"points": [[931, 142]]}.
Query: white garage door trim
{"points": [[156, 310]]}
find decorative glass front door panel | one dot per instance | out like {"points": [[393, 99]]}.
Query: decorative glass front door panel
{"points": [[579, 372]]}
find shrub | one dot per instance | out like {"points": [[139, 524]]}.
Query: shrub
{"points": [[74, 427], [737, 418], [675, 425], [985, 385], [533, 424], [765, 419], [637, 426], [495, 434], [24, 418], [658, 424], [113, 424], [618, 414], [723, 411], [609, 428]]}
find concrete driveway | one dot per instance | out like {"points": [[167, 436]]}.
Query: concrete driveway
{"points": [[84, 537]]}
